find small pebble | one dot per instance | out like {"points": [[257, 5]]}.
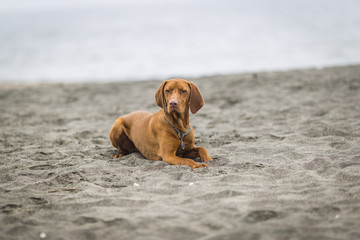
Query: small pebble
{"points": [[190, 184], [42, 235], [337, 216], [136, 185]]}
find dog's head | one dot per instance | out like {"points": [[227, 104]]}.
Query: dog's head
{"points": [[177, 95]]}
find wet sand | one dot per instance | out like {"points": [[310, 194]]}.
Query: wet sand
{"points": [[286, 149]]}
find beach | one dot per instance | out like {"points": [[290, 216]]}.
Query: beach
{"points": [[285, 148]]}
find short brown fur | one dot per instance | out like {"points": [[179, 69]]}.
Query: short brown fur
{"points": [[152, 135]]}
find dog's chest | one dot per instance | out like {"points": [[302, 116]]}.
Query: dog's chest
{"points": [[185, 145]]}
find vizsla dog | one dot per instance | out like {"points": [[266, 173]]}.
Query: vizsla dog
{"points": [[166, 135]]}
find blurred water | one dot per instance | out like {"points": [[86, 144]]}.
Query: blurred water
{"points": [[133, 40]]}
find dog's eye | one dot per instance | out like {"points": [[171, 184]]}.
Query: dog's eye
{"points": [[167, 90], [183, 91]]}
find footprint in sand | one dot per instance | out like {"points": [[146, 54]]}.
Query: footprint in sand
{"points": [[41, 167], [339, 145], [9, 208], [260, 215], [84, 220], [38, 200], [317, 163]]}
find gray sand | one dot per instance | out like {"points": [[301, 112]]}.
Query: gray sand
{"points": [[286, 149]]}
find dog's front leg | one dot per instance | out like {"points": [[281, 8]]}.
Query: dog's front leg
{"points": [[168, 154], [175, 160], [200, 152]]}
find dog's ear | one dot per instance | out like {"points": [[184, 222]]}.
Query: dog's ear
{"points": [[159, 95], [196, 100]]}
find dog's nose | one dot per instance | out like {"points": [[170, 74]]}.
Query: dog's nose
{"points": [[173, 103]]}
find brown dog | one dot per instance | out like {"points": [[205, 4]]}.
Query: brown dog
{"points": [[166, 135]]}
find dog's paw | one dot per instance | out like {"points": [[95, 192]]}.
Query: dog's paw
{"points": [[208, 158], [118, 155], [198, 165]]}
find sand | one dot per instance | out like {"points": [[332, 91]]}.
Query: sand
{"points": [[286, 149]]}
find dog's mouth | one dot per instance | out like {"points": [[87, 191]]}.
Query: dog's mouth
{"points": [[173, 109]]}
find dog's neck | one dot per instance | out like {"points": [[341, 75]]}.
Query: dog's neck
{"points": [[180, 120]]}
